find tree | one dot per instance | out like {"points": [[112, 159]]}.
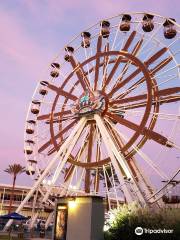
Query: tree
{"points": [[14, 170]]}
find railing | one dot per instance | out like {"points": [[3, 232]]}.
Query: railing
{"points": [[15, 203]]}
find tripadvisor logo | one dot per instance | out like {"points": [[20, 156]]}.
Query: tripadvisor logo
{"points": [[140, 231]]}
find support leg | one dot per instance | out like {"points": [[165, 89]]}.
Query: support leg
{"points": [[64, 160], [115, 156], [48, 168], [49, 219]]}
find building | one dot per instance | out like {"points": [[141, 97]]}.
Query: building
{"points": [[34, 204], [19, 195]]}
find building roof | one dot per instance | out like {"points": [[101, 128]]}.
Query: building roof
{"points": [[3, 185]]}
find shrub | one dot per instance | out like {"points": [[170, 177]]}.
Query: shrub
{"points": [[123, 221]]}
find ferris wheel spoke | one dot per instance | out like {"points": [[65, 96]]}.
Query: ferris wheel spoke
{"points": [[97, 66], [80, 74], [62, 92], [148, 160], [138, 46], [55, 149], [124, 82], [69, 172], [134, 52], [101, 64], [137, 71], [129, 41], [154, 166], [155, 56], [58, 114], [147, 132], [161, 65], [142, 80], [52, 150], [119, 59], [116, 65], [169, 78], [158, 94], [105, 64], [168, 99], [47, 144], [127, 65], [160, 115], [106, 59], [57, 120], [125, 48], [87, 67]]}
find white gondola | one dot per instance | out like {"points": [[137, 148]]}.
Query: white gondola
{"points": [[43, 89], [69, 52], [169, 29], [55, 70], [29, 147], [86, 39], [147, 24], [30, 126], [35, 107], [126, 23], [30, 170], [105, 29]]}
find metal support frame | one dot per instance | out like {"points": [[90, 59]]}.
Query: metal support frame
{"points": [[117, 157], [34, 215], [68, 150], [49, 219], [63, 161], [143, 180], [105, 178], [64, 147], [33, 220]]}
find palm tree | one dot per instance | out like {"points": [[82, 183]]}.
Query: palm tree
{"points": [[14, 170]]}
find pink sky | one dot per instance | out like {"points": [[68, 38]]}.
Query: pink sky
{"points": [[32, 32]]}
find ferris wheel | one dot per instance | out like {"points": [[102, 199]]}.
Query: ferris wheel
{"points": [[104, 118]]}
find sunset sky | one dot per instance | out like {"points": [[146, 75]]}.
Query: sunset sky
{"points": [[31, 34]]}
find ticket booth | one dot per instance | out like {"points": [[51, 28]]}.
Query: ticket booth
{"points": [[79, 218]]}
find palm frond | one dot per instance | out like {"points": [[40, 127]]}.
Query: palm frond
{"points": [[15, 169]]}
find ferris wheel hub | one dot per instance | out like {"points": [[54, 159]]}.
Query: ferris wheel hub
{"points": [[90, 103]]}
